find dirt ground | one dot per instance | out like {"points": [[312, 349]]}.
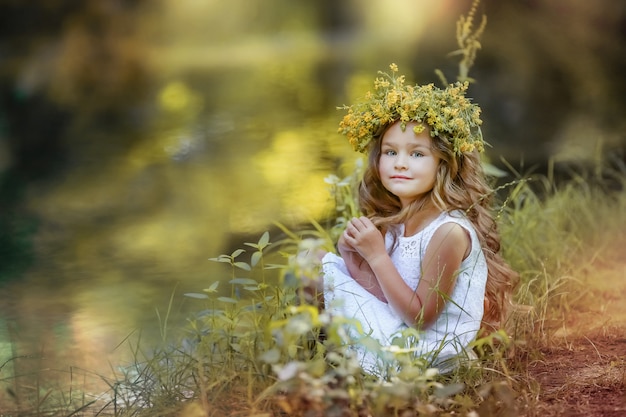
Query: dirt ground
{"points": [[583, 373]]}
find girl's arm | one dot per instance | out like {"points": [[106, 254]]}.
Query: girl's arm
{"points": [[359, 269], [440, 266]]}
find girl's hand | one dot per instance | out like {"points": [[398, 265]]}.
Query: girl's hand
{"points": [[343, 246], [357, 265], [365, 238]]}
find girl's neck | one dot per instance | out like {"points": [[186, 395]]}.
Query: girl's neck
{"points": [[420, 219]]}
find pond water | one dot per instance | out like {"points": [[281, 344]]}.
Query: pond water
{"points": [[119, 231], [151, 180], [118, 235]]}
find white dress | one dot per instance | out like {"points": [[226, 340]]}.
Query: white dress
{"points": [[444, 343]]}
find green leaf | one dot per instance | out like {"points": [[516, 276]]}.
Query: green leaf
{"points": [[274, 266], [210, 312], [196, 295], [370, 343], [212, 288], [242, 265], [243, 281], [256, 257], [293, 351], [264, 240], [221, 258], [237, 253], [227, 300], [224, 319]]}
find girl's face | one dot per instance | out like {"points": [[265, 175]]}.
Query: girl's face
{"points": [[407, 166]]}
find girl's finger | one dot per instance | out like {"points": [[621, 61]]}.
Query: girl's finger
{"points": [[366, 222], [357, 223]]}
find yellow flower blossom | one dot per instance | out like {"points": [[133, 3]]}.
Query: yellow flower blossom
{"points": [[392, 97], [417, 129], [447, 111], [466, 147]]}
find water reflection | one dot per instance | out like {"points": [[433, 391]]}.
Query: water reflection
{"points": [[118, 236]]}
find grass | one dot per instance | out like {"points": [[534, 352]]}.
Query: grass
{"points": [[555, 233], [254, 345], [564, 237]]}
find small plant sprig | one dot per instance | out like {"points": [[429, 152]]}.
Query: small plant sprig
{"points": [[344, 191], [468, 41]]}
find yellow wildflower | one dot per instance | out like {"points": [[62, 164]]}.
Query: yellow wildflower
{"points": [[466, 147], [418, 128], [447, 111]]}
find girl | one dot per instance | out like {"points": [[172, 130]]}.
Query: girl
{"points": [[425, 253]]}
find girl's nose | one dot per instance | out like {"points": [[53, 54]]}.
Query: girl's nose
{"points": [[400, 162]]}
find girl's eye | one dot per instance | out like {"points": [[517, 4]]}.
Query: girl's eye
{"points": [[417, 154], [390, 152]]}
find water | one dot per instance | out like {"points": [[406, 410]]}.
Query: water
{"points": [[121, 231], [140, 193]]}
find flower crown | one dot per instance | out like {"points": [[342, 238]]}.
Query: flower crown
{"points": [[448, 113]]}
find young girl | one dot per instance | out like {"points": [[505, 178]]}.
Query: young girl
{"points": [[425, 254]]}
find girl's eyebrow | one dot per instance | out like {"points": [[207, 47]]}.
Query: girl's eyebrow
{"points": [[410, 145]]}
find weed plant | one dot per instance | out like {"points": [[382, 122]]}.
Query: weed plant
{"points": [[557, 233], [261, 347], [560, 235], [258, 345]]}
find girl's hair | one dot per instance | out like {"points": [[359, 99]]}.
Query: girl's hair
{"points": [[460, 184]]}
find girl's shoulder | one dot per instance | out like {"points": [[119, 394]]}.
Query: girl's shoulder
{"points": [[453, 216]]}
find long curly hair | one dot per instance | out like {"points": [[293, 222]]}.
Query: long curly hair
{"points": [[460, 184]]}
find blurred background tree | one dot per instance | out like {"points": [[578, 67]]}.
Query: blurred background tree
{"points": [[69, 70]]}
